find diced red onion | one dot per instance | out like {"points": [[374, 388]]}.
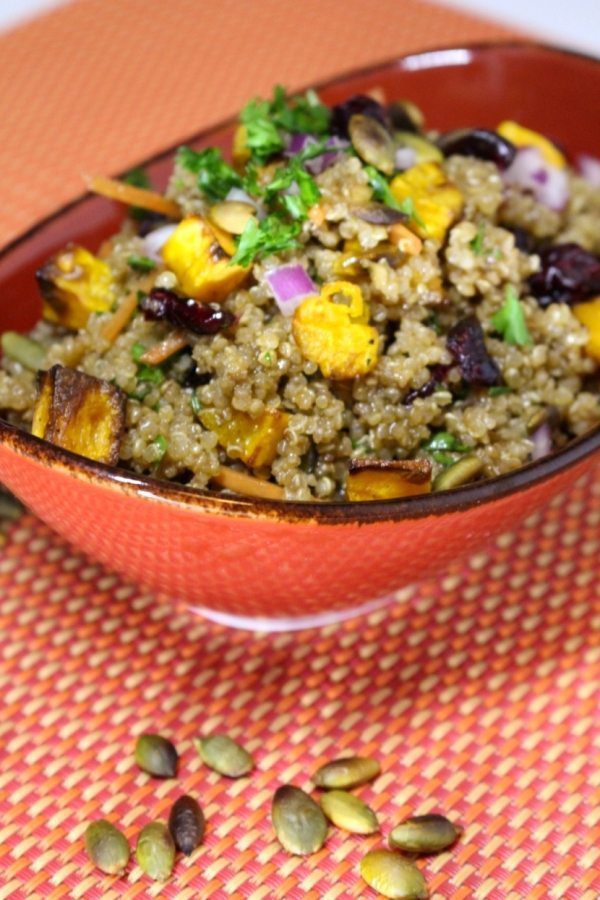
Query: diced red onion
{"points": [[155, 241], [290, 286], [542, 441], [589, 166], [405, 157], [317, 164], [548, 184]]}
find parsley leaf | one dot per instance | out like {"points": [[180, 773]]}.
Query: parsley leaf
{"points": [[141, 263], [383, 193], [296, 202], [161, 446], [476, 244], [262, 135], [510, 320], [137, 177], [270, 235], [268, 122], [215, 176], [443, 440], [381, 189]]}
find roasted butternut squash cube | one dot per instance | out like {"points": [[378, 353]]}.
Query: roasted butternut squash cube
{"points": [[254, 441], [80, 413], [437, 203], [379, 479], [200, 263], [589, 315], [331, 330], [73, 284], [526, 137]]}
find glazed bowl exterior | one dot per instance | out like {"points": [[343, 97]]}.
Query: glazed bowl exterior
{"points": [[278, 564]]}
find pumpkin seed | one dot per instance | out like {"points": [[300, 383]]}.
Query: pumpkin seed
{"points": [[155, 851], [423, 149], [347, 772], [107, 847], [299, 823], [463, 471], [186, 824], [156, 755], [349, 812], [231, 215], [547, 415], [224, 755], [425, 834], [373, 143], [393, 875]]}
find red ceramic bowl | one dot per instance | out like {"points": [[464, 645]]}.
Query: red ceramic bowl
{"points": [[282, 565]]}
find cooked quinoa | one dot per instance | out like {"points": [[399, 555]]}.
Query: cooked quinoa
{"points": [[466, 268]]}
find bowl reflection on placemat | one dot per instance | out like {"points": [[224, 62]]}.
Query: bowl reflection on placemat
{"points": [[273, 565]]}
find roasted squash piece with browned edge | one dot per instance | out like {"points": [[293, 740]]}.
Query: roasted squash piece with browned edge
{"points": [[382, 479], [73, 284], [202, 267], [80, 413], [254, 441]]}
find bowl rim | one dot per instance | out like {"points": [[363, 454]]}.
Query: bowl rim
{"points": [[349, 512]]}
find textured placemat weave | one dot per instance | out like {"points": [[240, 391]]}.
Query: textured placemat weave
{"points": [[479, 694]]}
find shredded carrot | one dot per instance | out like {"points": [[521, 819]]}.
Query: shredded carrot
{"points": [[406, 239], [176, 340], [248, 485], [316, 214], [114, 326], [134, 196]]}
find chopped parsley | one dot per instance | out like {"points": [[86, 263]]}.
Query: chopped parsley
{"points": [[478, 247], [381, 189], [146, 374], [497, 390], [137, 351], [162, 445], [150, 374], [268, 123], [293, 189], [383, 193], [440, 445], [195, 404], [215, 176], [141, 263], [443, 440], [270, 235], [137, 177], [510, 320], [476, 244]]}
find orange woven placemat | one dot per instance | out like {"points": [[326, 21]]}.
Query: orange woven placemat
{"points": [[478, 694]]}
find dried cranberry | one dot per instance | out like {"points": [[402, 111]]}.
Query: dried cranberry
{"points": [[185, 312], [359, 104], [567, 274], [438, 375], [479, 142], [467, 345]]}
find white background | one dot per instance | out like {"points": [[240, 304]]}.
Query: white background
{"points": [[572, 23]]}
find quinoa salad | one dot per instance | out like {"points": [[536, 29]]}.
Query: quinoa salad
{"points": [[347, 305]]}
